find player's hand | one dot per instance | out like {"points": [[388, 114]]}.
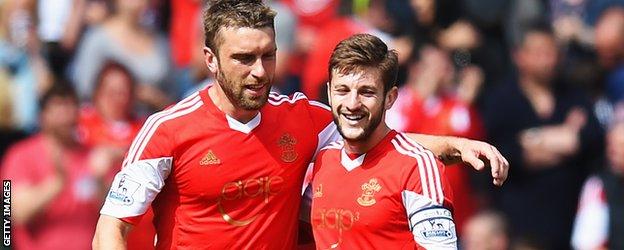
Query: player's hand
{"points": [[480, 155]]}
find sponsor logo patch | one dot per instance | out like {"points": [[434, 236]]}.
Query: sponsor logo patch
{"points": [[121, 192], [209, 159], [434, 224]]}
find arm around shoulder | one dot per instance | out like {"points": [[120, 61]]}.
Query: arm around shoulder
{"points": [[477, 154]]}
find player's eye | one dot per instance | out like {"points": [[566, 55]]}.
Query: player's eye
{"points": [[368, 93], [341, 91], [244, 58], [270, 56]]}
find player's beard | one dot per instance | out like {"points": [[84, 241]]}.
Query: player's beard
{"points": [[235, 92], [367, 130]]}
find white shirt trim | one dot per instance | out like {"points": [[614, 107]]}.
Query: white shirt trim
{"points": [[349, 164], [245, 128]]}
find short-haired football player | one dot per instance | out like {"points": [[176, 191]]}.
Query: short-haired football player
{"points": [[377, 188]]}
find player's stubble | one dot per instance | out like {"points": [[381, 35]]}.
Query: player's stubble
{"points": [[375, 120], [235, 92]]}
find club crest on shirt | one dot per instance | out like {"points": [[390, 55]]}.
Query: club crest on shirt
{"points": [[287, 143], [318, 192], [369, 189]]}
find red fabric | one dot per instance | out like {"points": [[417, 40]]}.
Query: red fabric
{"points": [[314, 13], [185, 25], [343, 214], [315, 73], [72, 213], [228, 189], [444, 115], [95, 131]]}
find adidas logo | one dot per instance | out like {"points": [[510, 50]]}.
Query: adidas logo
{"points": [[209, 159]]}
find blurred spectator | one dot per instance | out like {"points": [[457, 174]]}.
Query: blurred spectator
{"points": [[548, 133], [312, 18], [25, 71], [568, 18], [110, 120], [110, 125], [187, 41], [523, 13], [8, 133], [60, 26], [58, 185], [599, 222], [285, 28], [609, 39], [486, 230], [429, 103], [125, 39], [315, 74]]}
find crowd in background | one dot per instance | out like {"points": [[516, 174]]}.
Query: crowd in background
{"points": [[542, 80]]}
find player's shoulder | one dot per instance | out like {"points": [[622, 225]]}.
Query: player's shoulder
{"points": [[178, 111], [406, 149], [297, 99]]}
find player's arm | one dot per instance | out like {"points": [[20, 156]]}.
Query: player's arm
{"points": [[146, 167], [110, 233], [477, 154], [428, 201]]}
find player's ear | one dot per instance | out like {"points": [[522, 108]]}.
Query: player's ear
{"points": [[329, 99], [210, 58], [391, 97]]}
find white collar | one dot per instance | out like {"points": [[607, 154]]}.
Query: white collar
{"points": [[244, 127], [349, 164]]}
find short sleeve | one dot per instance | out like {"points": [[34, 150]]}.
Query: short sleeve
{"points": [[427, 197], [145, 168]]}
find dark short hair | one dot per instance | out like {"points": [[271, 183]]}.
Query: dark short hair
{"points": [[222, 14], [537, 27], [62, 89], [362, 51]]}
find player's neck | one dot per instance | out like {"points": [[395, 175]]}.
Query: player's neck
{"points": [[365, 145], [224, 104]]}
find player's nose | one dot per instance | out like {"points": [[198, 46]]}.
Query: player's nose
{"points": [[352, 101], [258, 69]]}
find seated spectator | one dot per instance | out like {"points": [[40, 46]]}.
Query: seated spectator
{"points": [[58, 185]]}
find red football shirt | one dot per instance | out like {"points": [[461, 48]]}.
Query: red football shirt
{"points": [[216, 182], [393, 197]]}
